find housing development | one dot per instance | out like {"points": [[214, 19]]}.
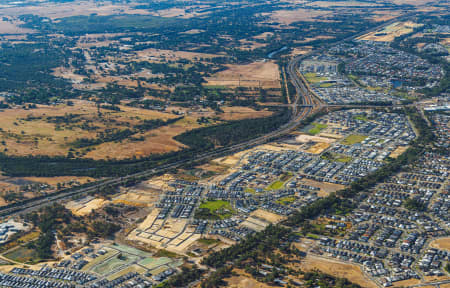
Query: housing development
{"points": [[207, 144]]}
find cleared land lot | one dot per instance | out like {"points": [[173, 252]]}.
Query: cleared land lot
{"points": [[238, 113], [390, 32], [268, 216], [82, 209], [338, 269], [441, 243], [244, 280], [265, 74], [399, 151]]}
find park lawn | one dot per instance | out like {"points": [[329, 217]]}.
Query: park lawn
{"points": [[343, 159], [250, 190], [317, 128], [362, 118], [275, 185], [313, 78], [313, 236], [326, 85], [215, 205], [221, 209], [353, 139], [286, 200]]}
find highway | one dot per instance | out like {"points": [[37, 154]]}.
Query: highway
{"points": [[304, 104]]}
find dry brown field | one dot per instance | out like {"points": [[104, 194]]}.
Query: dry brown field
{"points": [[158, 55], [239, 113], [301, 51], [325, 187], [390, 32], [159, 140], [61, 10], [264, 35], [399, 151], [413, 2], [337, 269], [181, 12], [250, 45], [318, 148], [288, 17], [40, 137], [265, 74], [243, 279], [341, 4], [61, 179], [441, 243], [12, 27], [383, 15], [267, 216], [406, 283]]}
